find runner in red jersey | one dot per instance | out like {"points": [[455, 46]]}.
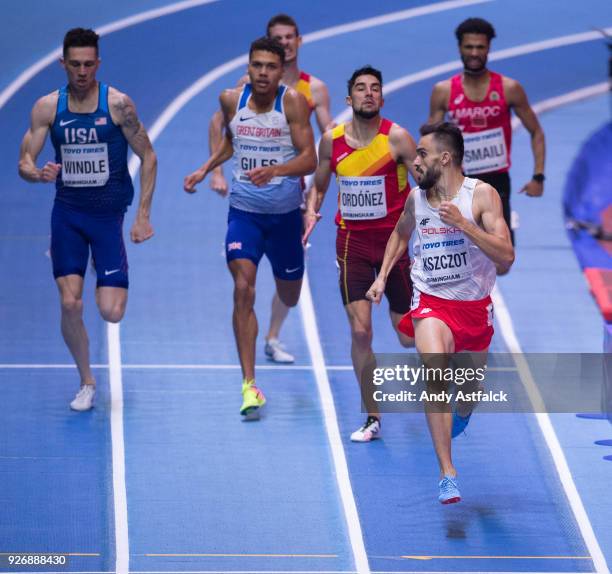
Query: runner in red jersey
{"points": [[370, 157], [480, 102]]}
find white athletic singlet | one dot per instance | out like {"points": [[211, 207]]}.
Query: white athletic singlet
{"points": [[261, 140], [447, 264]]}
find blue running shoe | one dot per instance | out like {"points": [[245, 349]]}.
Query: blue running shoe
{"points": [[459, 424], [449, 493]]}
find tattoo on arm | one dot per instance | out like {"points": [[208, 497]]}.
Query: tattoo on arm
{"points": [[132, 126]]}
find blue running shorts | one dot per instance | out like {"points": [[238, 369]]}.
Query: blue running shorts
{"points": [[74, 233], [278, 236]]}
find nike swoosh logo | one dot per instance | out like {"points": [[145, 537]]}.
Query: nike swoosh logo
{"points": [[106, 272], [243, 119], [292, 270], [65, 123]]}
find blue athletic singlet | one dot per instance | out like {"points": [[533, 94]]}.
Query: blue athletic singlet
{"points": [[93, 153], [261, 140]]}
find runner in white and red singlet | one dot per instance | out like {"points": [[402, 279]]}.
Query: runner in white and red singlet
{"points": [[480, 102], [461, 239]]}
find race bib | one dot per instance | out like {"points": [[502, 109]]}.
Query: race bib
{"points": [[362, 197], [445, 260], [85, 165], [251, 156], [484, 151]]}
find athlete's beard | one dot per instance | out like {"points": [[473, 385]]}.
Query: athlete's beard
{"points": [[475, 71], [366, 115], [430, 178]]}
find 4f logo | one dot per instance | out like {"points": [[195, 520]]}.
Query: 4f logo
{"points": [[424, 221]]}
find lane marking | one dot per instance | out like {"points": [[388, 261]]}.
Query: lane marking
{"points": [[509, 335], [550, 436], [115, 26], [241, 61], [240, 555], [388, 19], [495, 557], [113, 330], [332, 428], [522, 366], [455, 65], [564, 100], [289, 572]]}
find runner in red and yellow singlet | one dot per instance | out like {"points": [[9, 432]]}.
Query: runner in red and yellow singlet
{"points": [[370, 157]]}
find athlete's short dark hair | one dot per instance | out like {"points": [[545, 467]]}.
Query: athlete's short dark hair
{"points": [[80, 38], [475, 26], [448, 137], [266, 44], [284, 20], [364, 71]]}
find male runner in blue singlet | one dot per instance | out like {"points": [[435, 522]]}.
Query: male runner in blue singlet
{"points": [[91, 126]]}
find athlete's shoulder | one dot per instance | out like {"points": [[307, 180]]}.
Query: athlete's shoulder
{"points": [[116, 98], [507, 81], [121, 107], [44, 108], [230, 96], [316, 84], [442, 87], [440, 96], [295, 102], [413, 191], [513, 90], [397, 132], [119, 102], [443, 84], [402, 142], [484, 190]]}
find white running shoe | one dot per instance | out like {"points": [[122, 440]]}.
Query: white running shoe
{"points": [[84, 398], [275, 351], [369, 431]]}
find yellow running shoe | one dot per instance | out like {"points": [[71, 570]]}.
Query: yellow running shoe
{"points": [[252, 400]]}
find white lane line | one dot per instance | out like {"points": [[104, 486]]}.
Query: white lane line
{"points": [[290, 572], [333, 431], [509, 335], [456, 65], [388, 19], [331, 423], [544, 422], [122, 545], [240, 61], [564, 100], [113, 331], [122, 550], [550, 436], [54, 55]]}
